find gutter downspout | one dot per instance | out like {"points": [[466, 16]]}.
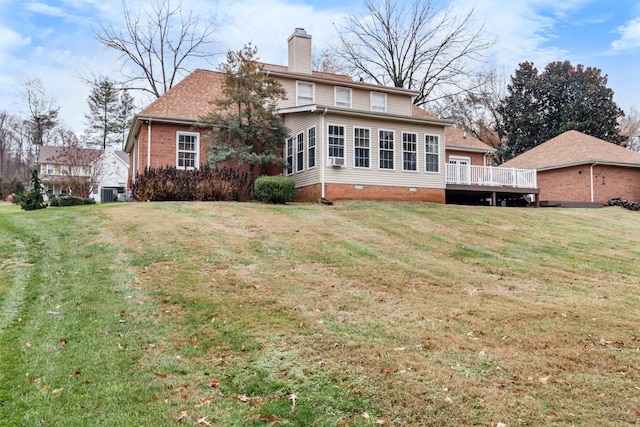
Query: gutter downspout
{"points": [[149, 144], [322, 156], [591, 178]]}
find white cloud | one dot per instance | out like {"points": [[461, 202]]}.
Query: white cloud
{"points": [[523, 31], [9, 39], [45, 9], [630, 37], [269, 25]]}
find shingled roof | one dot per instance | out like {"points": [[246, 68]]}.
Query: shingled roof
{"points": [[67, 155], [574, 148], [189, 99]]}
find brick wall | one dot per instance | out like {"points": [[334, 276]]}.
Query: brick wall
{"points": [[333, 192], [574, 183], [163, 146]]}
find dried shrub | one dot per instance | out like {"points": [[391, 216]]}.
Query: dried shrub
{"points": [[203, 184]]}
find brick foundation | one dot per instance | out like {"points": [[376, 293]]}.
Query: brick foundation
{"points": [[333, 192]]}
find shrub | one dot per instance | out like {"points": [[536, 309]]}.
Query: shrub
{"points": [[275, 189], [71, 201], [203, 184], [7, 188]]}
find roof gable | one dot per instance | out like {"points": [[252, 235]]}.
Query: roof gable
{"points": [[190, 98], [571, 148], [67, 155]]}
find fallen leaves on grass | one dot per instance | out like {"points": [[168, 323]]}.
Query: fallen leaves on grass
{"points": [[75, 374], [294, 400], [203, 422], [181, 416]]}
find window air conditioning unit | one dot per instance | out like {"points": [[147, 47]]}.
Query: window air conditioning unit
{"points": [[336, 161]]}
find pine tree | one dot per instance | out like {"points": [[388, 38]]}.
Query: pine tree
{"points": [[125, 116], [102, 120], [245, 127]]}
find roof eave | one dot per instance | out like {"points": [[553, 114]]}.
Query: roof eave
{"points": [[470, 149], [588, 162], [140, 119], [340, 82], [365, 114]]}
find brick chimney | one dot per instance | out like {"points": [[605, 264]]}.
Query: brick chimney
{"points": [[300, 52]]}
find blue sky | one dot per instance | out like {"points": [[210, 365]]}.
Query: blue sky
{"points": [[53, 40]]}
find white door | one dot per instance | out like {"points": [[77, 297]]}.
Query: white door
{"points": [[460, 169]]}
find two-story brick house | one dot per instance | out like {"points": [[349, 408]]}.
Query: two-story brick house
{"points": [[348, 140]]}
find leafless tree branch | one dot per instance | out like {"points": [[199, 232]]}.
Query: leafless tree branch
{"points": [[159, 43], [416, 46]]}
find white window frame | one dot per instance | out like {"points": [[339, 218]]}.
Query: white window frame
{"points": [[345, 91], [311, 147], [355, 146], [429, 151], [50, 168], [344, 140], [300, 152], [305, 100], [195, 151], [289, 167], [393, 150], [415, 153], [64, 170], [376, 106]]}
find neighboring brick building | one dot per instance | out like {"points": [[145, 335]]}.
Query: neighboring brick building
{"points": [[576, 169]]}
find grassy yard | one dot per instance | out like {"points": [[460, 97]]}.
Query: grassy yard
{"points": [[357, 314]]}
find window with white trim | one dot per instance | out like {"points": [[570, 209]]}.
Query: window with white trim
{"points": [[289, 165], [311, 144], [64, 170], [379, 102], [432, 153], [343, 97], [49, 169], [385, 140], [187, 150], [336, 141], [409, 151], [305, 93], [300, 152], [361, 148]]}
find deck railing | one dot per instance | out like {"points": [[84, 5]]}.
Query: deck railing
{"points": [[491, 176]]}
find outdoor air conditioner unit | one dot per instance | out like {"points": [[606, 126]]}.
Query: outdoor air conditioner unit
{"points": [[336, 161]]}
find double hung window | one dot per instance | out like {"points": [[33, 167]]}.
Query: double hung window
{"points": [[385, 141]]}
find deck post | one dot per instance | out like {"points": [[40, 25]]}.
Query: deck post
{"points": [[494, 199]]}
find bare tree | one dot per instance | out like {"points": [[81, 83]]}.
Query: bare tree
{"points": [[630, 128], [41, 110], [327, 62], [476, 111], [74, 167], [414, 45], [158, 42]]}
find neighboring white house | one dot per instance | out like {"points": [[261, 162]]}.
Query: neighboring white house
{"points": [[100, 174]]}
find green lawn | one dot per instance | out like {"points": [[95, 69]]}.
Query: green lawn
{"points": [[361, 313]]}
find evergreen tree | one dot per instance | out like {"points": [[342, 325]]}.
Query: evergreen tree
{"points": [[244, 127], [541, 106], [125, 116], [102, 120], [34, 199]]}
